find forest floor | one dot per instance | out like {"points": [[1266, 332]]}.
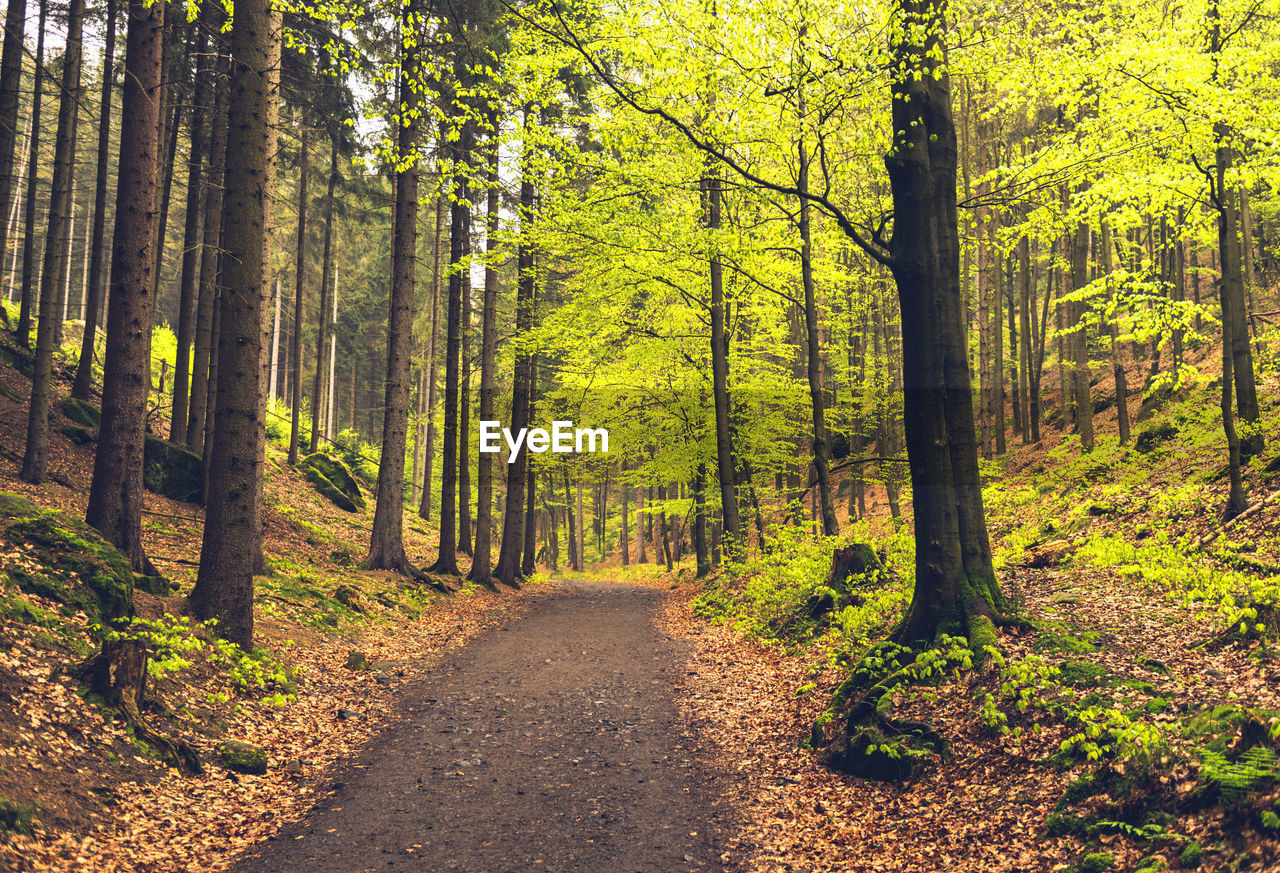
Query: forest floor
{"points": [[581, 726]]}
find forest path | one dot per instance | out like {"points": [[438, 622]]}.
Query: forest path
{"points": [[553, 743]]}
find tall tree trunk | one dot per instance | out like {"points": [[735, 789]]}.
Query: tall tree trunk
{"points": [[1082, 398], [273, 379], [702, 556], [189, 287], [624, 539], [510, 552], [57, 251], [528, 562], [459, 245], [33, 183], [171, 88], [300, 278], [997, 359], [713, 195], [233, 523], [821, 447], [82, 387], [955, 589], [15, 25], [424, 508], [464, 414], [1027, 312], [1113, 331], [326, 271], [386, 548], [115, 495], [482, 558], [202, 368]]}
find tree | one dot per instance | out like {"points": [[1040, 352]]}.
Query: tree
{"points": [[33, 180], [386, 548], [300, 279], [232, 531], [481, 565], [115, 495], [83, 384], [57, 251], [15, 25]]}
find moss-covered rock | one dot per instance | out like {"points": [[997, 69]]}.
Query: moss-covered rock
{"points": [[173, 471], [334, 481], [15, 817], [1190, 857], [358, 661], [76, 566], [243, 757], [77, 435], [1151, 437], [82, 413], [1096, 862], [350, 597]]}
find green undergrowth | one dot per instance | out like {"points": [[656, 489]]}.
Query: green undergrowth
{"points": [[783, 597]]}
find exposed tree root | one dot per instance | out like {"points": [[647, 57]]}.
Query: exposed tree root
{"points": [[118, 674], [402, 565]]}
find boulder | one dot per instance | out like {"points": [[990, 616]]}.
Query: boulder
{"points": [[173, 471], [334, 481], [243, 757], [78, 435], [82, 413], [357, 661], [1151, 437], [75, 565]]}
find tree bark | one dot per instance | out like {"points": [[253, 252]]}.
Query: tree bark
{"points": [[424, 508], [57, 251], [33, 182], [528, 562], [386, 548], [189, 287], [15, 25], [326, 275], [202, 368], [1082, 397], [82, 387], [510, 552], [482, 557], [300, 278], [233, 523], [115, 495]]}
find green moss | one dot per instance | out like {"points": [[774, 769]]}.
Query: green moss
{"points": [[77, 567], [1060, 824], [82, 413], [173, 471], [334, 481], [1190, 857], [16, 817], [1082, 674], [1096, 862]]}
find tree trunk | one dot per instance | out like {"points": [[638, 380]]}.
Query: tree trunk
{"points": [[300, 278], [571, 533], [232, 531], [82, 387], [326, 274], [386, 548], [1027, 313], [510, 552], [1082, 397], [171, 93], [528, 562], [464, 413], [424, 508], [15, 25], [57, 251], [189, 289], [33, 182], [115, 495], [459, 245], [702, 556], [482, 563], [720, 372], [1113, 331], [202, 372], [624, 540], [955, 590]]}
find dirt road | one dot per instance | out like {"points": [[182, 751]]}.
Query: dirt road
{"points": [[553, 743]]}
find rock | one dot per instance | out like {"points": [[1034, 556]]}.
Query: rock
{"points": [[75, 565], [157, 585], [357, 661], [1098, 510], [77, 435], [82, 413], [334, 481], [349, 715], [384, 679], [173, 471], [293, 768], [1150, 437], [243, 757], [350, 597]]}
